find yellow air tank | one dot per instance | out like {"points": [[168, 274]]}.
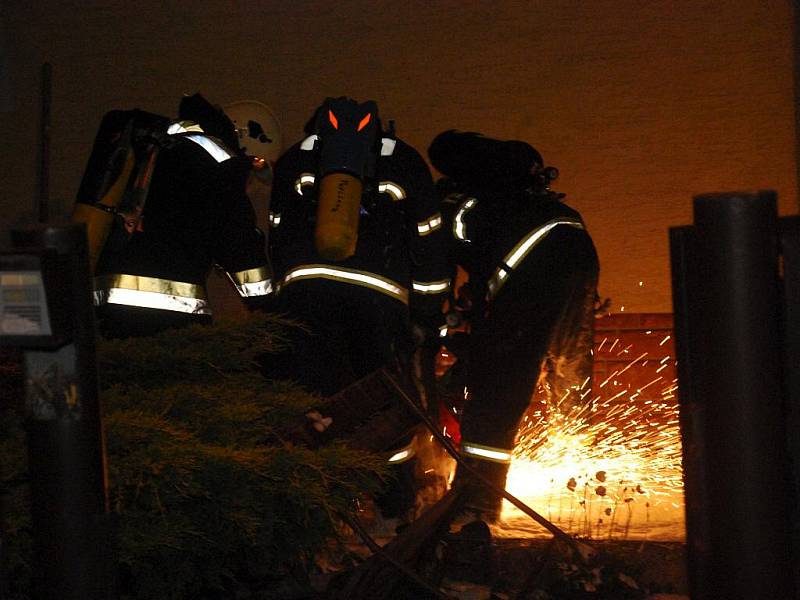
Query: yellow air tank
{"points": [[98, 221], [336, 231]]}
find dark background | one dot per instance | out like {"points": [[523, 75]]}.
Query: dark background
{"points": [[640, 104]]}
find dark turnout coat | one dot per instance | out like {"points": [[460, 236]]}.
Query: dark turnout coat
{"points": [[533, 269], [359, 308], [196, 215], [400, 235]]}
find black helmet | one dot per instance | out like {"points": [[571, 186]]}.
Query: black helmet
{"points": [[474, 160], [348, 132]]}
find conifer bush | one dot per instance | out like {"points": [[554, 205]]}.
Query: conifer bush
{"points": [[211, 498]]}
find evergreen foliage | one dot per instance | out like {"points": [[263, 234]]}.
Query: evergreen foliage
{"points": [[211, 500]]}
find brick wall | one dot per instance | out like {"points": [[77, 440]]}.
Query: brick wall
{"points": [[634, 350], [635, 367]]}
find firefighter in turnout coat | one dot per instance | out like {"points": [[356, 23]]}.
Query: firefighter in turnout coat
{"points": [[533, 273], [152, 270], [361, 295], [357, 246]]}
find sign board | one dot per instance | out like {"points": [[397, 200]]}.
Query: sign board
{"points": [[33, 301], [23, 304]]}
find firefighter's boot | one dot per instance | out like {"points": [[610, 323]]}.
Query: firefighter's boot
{"points": [[468, 556], [481, 486], [469, 564]]}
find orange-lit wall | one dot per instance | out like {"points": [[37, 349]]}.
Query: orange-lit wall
{"points": [[639, 104]]}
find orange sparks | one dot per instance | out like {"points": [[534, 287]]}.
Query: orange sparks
{"points": [[629, 434]]}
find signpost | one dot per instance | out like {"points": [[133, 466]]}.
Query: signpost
{"points": [[46, 311]]}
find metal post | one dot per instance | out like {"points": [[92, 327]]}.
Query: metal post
{"points": [[72, 538], [735, 372], [44, 144], [790, 253], [683, 251], [3, 549]]}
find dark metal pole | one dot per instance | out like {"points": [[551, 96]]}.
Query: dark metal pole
{"points": [[44, 144], [736, 374], [796, 47], [3, 549], [790, 252], [683, 251], [72, 534]]}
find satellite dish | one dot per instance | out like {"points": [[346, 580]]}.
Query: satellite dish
{"points": [[257, 128]]}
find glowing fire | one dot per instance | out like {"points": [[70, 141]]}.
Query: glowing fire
{"points": [[609, 469]]}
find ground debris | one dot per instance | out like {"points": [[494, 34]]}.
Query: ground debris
{"points": [[537, 569]]}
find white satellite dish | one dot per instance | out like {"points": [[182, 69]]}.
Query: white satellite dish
{"points": [[258, 129]]}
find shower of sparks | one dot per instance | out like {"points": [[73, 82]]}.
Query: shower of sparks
{"points": [[608, 468]]}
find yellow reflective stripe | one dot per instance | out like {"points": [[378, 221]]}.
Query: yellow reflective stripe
{"points": [[252, 282], [362, 278], [274, 219], [402, 455], [523, 248], [459, 227], [151, 292], [431, 287], [216, 151], [443, 331], [500, 455], [150, 284], [391, 188], [250, 275], [305, 180], [431, 224]]}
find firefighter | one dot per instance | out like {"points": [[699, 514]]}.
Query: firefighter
{"points": [[533, 271], [356, 242], [191, 212]]}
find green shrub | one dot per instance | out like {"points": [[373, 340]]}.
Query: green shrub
{"points": [[212, 500]]}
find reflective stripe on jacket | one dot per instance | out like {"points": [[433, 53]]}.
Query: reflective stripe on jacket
{"points": [[523, 248], [401, 247], [365, 279], [492, 454], [151, 292], [252, 282]]}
